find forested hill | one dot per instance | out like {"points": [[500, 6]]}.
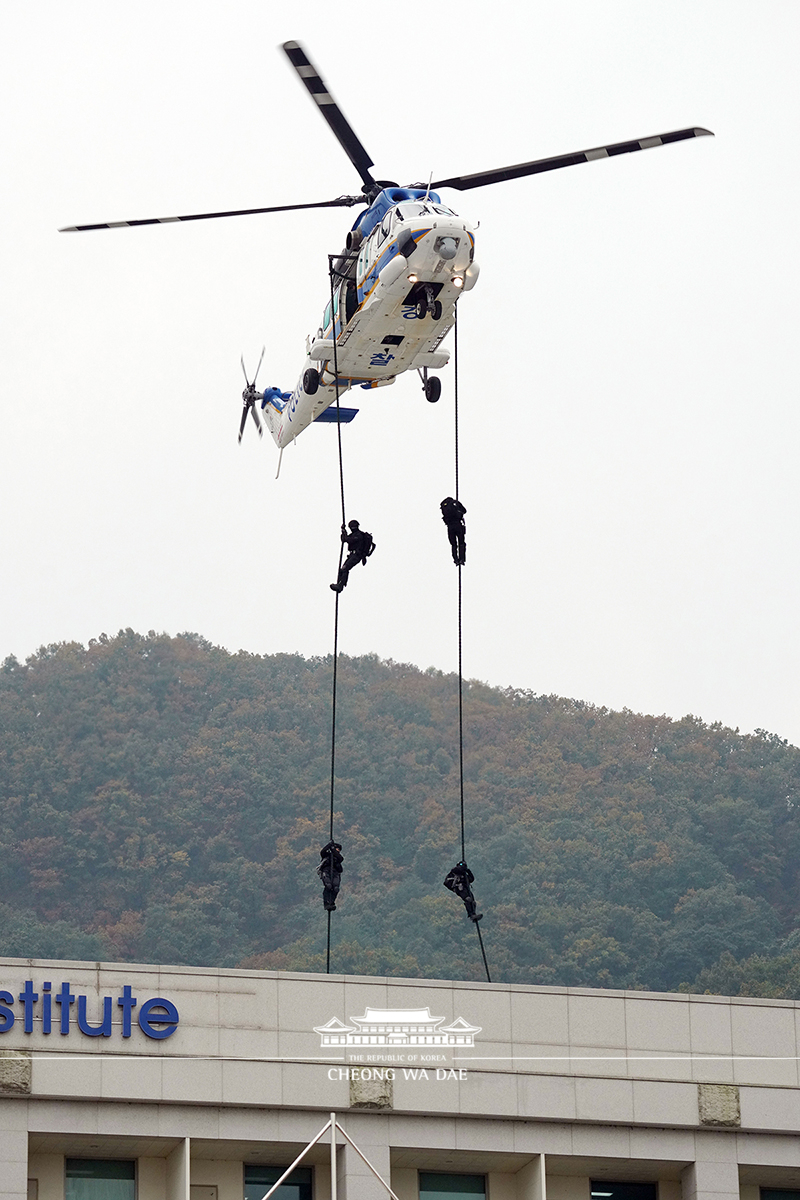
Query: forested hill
{"points": [[163, 800]]}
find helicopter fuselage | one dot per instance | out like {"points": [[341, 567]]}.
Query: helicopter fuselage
{"points": [[394, 293]]}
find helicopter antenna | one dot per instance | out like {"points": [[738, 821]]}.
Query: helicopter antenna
{"points": [[428, 190]]}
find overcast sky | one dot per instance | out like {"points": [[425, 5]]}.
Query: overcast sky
{"points": [[628, 375]]}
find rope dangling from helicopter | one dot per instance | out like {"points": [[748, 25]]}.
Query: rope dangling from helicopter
{"points": [[360, 546], [330, 869], [460, 877]]}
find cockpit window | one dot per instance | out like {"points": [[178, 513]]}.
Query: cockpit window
{"points": [[412, 210], [326, 319], [422, 208]]}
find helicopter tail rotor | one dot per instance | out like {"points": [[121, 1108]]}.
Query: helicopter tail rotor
{"points": [[249, 397], [258, 368]]}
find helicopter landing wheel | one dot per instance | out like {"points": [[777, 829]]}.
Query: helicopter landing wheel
{"points": [[436, 311], [433, 389], [422, 309], [310, 381]]}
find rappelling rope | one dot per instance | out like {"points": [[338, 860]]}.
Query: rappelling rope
{"points": [[336, 611], [460, 677], [460, 651]]}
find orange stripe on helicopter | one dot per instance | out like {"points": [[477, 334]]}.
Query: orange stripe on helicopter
{"points": [[380, 264]]}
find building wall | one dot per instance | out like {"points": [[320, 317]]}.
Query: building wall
{"points": [[226, 1174], [568, 1187], [700, 1093], [48, 1169]]}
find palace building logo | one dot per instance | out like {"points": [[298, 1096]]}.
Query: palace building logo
{"points": [[397, 1027]]}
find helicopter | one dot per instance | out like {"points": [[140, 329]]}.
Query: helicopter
{"points": [[407, 260]]}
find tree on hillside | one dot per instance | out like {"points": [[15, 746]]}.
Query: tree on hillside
{"points": [[164, 800]]}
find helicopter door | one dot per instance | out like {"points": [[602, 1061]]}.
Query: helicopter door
{"points": [[350, 299], [345, 299]]}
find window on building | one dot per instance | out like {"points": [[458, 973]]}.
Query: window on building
{"points": [[436, 1186], [100, 1179], [780, 1194], [258, 1181], [600, 1190]]}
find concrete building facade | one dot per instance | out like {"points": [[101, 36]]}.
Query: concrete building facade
{"points": [[174, 1083]]}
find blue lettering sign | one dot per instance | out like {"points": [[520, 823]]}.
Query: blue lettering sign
{"points": [[103, 1030], [28, 997], [158, 1017], [6, 1015], [64, 998], [47, 1000], [126, 1003], [149, 1017]]}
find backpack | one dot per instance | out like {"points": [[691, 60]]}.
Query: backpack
{"points": [[367, 545]]}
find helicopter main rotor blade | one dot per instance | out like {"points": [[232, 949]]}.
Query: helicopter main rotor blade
{"points": [[481, 178], [330, 110], [339, 202]]}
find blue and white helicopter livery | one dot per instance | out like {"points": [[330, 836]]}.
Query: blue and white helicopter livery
{"points": [[395, 284]]}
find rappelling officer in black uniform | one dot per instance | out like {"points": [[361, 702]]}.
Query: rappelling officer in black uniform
{"points": [[453, 516], [458, 881], [360, 545], [330, 872]]}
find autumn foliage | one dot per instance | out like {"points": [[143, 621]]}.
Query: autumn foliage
{"points": [[164, 800]]}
